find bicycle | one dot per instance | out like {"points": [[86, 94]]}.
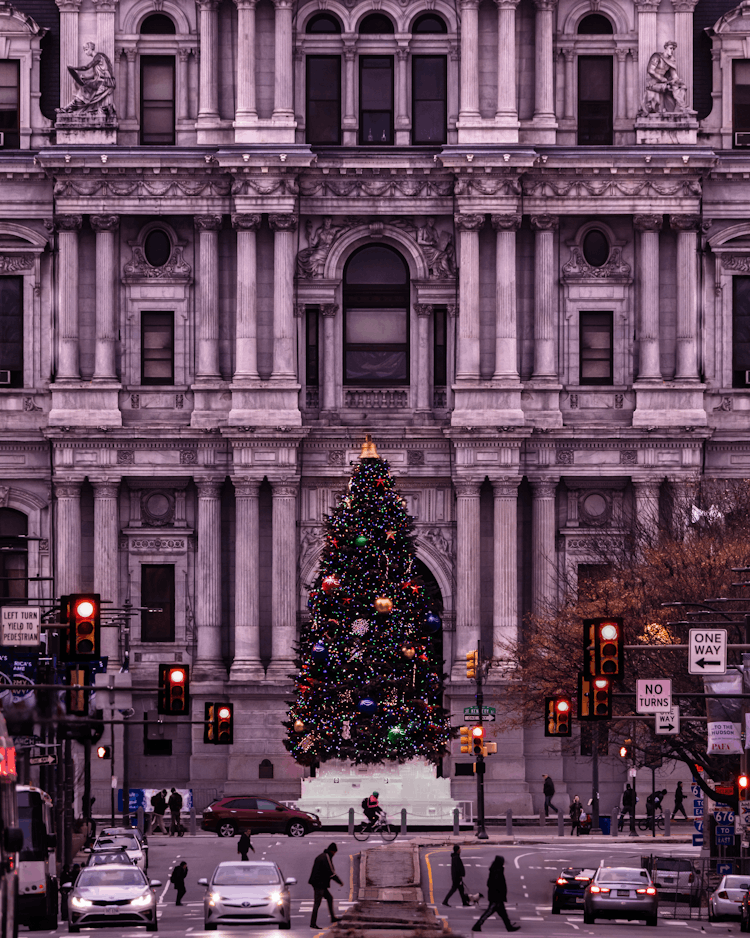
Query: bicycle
{"points": [[646, 823], [380, 826]]}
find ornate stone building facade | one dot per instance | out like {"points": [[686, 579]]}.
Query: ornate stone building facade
{"points": [[509, 238]]}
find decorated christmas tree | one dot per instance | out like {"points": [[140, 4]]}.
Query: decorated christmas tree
{"points": [[369, 682]]}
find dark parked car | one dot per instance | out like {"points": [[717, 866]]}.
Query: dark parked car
{"points": [[236, 813], [569, 888]]}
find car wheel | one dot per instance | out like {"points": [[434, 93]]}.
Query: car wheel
{"points": [[152, 926], [743, 924], [588, 918], [555, 907], [711, 916], [226, 829], [296, 829], [209, 926], [652, 920], [285, 926], [73, 929]]}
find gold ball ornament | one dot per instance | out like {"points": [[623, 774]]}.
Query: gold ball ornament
{"points": [[298, 726], [383, 604], [408, 651]]}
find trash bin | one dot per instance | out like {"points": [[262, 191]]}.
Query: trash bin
{"points": [[604, 823]]}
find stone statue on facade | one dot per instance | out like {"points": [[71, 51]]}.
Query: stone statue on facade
{"points": [[666, 92], [439, 251], [90, 117], [312, 259]]}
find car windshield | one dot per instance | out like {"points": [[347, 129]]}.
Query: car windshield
{"points": [[123, 842], [105, 877], [98, 859], [255, 874], [621, 875], [118, 832], [736, 882]]}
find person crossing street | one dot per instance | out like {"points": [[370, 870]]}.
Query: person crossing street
{"points": [[323, 872], [458, 871]]}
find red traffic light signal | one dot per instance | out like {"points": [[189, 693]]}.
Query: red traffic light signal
{"points": [[477, 736], [104, 752], [603, 648], [83, 615], [224, 724], [594, 698], [742, 785], [174, 689], [557, 716]]}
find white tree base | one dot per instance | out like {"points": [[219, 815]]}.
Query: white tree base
{"points": [[341, 785]]}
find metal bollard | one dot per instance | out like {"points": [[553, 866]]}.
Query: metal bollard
{"points": [[193, 823], [456, 825], [140, 819], [509, 822], [351, 822], [403, 820], [667, 824], [542, 819], [615, 821], [560, 824]]}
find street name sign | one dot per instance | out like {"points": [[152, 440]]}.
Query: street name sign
{"points": [[51, 759], [707, 652], [472, 713], [653, 696], [20, 626], [668, 722]]}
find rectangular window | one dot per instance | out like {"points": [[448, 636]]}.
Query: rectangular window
{"points": [[157, 348], [376, 99], [157, 100], [11, 332], [596, 348], [595, 100], [440, 347], [376, 349], [323, 110], [312, 368], [741, 101], [157, 592], [429, 86], [9, 106], [740, 332]]}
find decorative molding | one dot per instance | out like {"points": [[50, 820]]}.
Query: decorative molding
{"points": [[469, 222], [608, 188], [510, 222], [139, 268], [29, 25], [188, 457], [739, 262], [125, 457], [67, 222], [135, 401], [156, 543], [396, 187], [156, 188], [564, 457], [5, 494], [10, 263], [243, 222], [283, 222], [275, 185], [415, 457], [544, 222], [30, 407], [726, 404], [423, 309], [685, 222], [487, 185], [211, 222], [578, 268], [335, 457], [628, 457], [104, 222]]}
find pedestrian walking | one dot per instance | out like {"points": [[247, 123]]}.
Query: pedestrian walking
{"points": [[628, 805], [577, 815], [458, 871], [175, 806], [243, 845], [177, 879], [323, 872], [679, 797], [159, 804], [549, 791], [497, 894]]}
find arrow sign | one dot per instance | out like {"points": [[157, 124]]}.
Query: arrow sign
{"points": [[707, 653], [43, 760], [654, 696], [667, 722]]}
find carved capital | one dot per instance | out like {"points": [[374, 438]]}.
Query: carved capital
{"points": [[183, 55], [684, 6], [543, 6], [246, 4], [621, 54], [246, 488], [506, 4], [105, 6], [68, 489], [505, 487], [402, 54], [453, 310], [105, 489], [685, 222], [647, 6], [283, 488], [130, 55], [350, 50], [105, 222], [208, 488], [299, 310], [467, 488], [469, 222], [283, 222], [329, 310], [68, 6], [246, 222], [647, 222], [208, 6], [510, 222], [423, 309], [545, 222], [67, 222], [283, 4], [543, 488], [207, 222]]}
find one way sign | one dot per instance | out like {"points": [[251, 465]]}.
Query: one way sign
{"points": [[707, 652], [667, 722]]}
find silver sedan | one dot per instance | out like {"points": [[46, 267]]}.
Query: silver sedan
{"points": [[112, 895], [726, 900], [621, 892], [241, 892]]}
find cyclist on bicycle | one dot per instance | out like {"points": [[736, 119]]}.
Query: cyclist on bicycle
{"points": [[372, 809]]}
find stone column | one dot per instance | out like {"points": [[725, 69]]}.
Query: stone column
{"points": [[687, 227], [328, 312], [284, 550], [283, 101], [647, 509], [649, 227], [646, 31], [246, 335], [570, 83], [208, 104], [182, 84], [68, 365], [207, 299], [545, 296], [683, 36], [208, 663], [544, 88], [106, 559], [506, 351], [349, 121], [68, 536], [507, 66], [544, 561], [469, 227], [246, 664], [70, 53], [505, 554], [130, 58], [246, 107], [423, 383], [105, 27], [632, 102], [469, 61], [107, 280], [402, 122], [467, 570], [622, 83], [283, 227]]}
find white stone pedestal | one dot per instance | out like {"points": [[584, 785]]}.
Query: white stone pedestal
{"points": [[667, 128], [339, 786]]}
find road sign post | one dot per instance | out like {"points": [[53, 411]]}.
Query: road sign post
{"points": [[472, 713], [667, 722], [654, 695], [707, 651]]}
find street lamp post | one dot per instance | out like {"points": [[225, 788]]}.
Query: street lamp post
{"points": [[481, 832]]}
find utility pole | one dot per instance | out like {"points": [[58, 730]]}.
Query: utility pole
{"points": [[481, 832], [595, 829]]}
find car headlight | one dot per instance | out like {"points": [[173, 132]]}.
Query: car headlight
{"points": [[140, 901], [214, 897], [79, 903], [276, 897], [208, 810]]}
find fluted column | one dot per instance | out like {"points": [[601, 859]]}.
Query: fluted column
{"points": [[545, 296], [424, 312], [283, 101], [131, 108], [70, 52], [687, 295], [683, 36], [246, 664], [68, 357], [570, 83], [506, 341], [349, 121], [182, 84], [467, 569], [208, 662], [68, 536], [284, 550], [505, 557], [544, 561], [246, 329], [208, 104], [649, 227], [107, 279], [622, 82], [328, 312], [507, 66], [246, 106], [469, 227], [207, 327], [469, 60], [402, 121], [106, 560], [646, 32], [544, 89], [105, 27], [283, 227]]}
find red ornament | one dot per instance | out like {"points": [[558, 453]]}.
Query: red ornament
{"points": [[330, 583], [380, 482]]}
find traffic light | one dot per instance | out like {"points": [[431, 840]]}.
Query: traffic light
{"points": [[742, 785], [477, 735], [489, 749], [594, 698], [472, 665], [557, 714], [174, 689], [626, 749], [83, 615], [104, 752], [603, 647], [209, 726], [77, 699], [224, 724], [465, 739]]}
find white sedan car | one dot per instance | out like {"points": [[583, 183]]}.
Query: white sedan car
{"points": [[726, 899], [123, 841], [247, 893]]}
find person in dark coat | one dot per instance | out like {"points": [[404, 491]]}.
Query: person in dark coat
{"points": [[458, 872], [175, 806], [576, 808], [177, 879], [549, 793], [628, 805], [679, 797], [244, 844], [323, 872], [497, 893]]}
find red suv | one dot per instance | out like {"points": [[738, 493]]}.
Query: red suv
{"points": [[236, 813]]}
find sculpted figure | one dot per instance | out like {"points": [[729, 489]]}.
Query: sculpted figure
{"points": [[664, 86], [311, 260], [96, 84], [438, 250]]}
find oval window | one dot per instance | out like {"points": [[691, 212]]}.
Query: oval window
{"points": [[596, 248], [157, 247]]}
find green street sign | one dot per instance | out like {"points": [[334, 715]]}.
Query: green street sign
{"points": [[472, 713]]}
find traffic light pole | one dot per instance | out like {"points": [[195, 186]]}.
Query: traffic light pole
{"points": [[481, 832]]}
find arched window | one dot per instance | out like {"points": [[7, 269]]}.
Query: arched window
{"points": [[429, 23], [595, 25], [323, 23], [265, 769], [376, 318], [595, 248], [13, 559], [158, 24], [376, 24]]}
